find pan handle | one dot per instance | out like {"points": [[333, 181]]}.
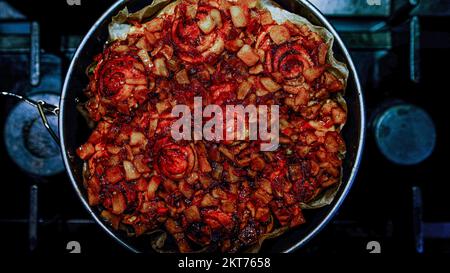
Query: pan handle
{"points": [[43, 108]]}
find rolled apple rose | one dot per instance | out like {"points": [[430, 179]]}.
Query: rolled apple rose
{"points": [[198, 33], [119, 83], [173, 160]]}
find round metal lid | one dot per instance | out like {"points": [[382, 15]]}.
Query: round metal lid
{"points": [[405, 134]]}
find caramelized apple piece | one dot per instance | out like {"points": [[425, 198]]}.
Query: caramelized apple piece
{"points": [[93, 197], [182, 77], [137, 138], [206, 24], [216, 16], [160, 68], [248, 56], [140, 165], [266, 18], [114, 220], [114, 175], [191, 11], [162, 106], [86, 151], [256, 69], [238, 16], [209, 201], [217, 48], [153, 186], [243, 90], [269, 84], [192, 214], [167, 51], [234, 45], [248, 3], [339, 115], [130, 171], [279, 34], [118, 203]]}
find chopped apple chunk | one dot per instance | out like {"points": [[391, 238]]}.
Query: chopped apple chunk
{"points": [[191, 11], [269, 84], [206, 24], [153, 186], [160, 68], [238, 16], [266, 18], [279, 34], [192, 214], [256, 69], [182, 77], [114, 175], [248, 56], [137, 138], [118, 203], [217, 17], [130, 171], [243, 90]]}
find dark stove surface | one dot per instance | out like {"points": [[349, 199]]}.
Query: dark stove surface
{"points": [[398, 49]]}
